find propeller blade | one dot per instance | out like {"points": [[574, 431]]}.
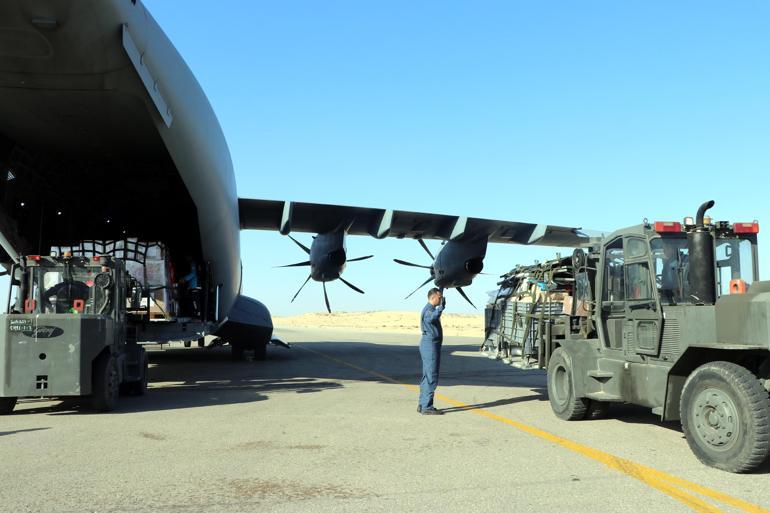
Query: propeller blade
{"points": [[326, 298], [298, 243], [343, 280], [425, 247], [300, 289], [462, 293], [299, 264], [421, 286], [410, 264], [360, 258]]}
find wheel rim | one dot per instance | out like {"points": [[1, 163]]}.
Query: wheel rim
{"points": [[715, 419], [560, 380]]}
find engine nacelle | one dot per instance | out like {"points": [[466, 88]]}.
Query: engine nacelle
{"points": [[459, 262], [328, 256]]}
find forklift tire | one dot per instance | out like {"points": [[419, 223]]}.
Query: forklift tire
{"points": [[140, 387], [6, 405], [561, 392], [106, 383], [187, 343], [725, 414], [202, 342], [236, 351]]}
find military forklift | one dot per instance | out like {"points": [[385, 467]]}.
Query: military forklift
{"points": [[66, 334], [679, 323], [670, 316]]}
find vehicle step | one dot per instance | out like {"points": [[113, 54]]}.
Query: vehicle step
{"points": [[603, 396]]}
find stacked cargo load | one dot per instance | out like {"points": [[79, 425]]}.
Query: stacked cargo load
{"points": [[534, 303]]}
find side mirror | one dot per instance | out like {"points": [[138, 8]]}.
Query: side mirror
{"points": [[578, 259]]}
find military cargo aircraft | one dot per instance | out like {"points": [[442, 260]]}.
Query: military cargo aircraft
{"points": [[105, 133]]}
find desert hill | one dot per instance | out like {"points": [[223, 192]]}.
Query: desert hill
{"points": [[463, 325]]}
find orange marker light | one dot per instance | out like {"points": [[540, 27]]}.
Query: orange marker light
{"points": [[738, 286]]}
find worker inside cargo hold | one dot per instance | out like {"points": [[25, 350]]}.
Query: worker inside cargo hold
{"points": [[189, 291]]}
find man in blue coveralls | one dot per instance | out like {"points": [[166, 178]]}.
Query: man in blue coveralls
{"points": [[430, 350], [190, 293]]}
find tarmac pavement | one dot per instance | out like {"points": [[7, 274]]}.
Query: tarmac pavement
{"points": [[331, 426]]}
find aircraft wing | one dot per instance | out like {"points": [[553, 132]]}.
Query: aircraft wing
{"points": [[287, 216]]}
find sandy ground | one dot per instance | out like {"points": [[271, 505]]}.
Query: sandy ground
{"points": [[455, 325]]}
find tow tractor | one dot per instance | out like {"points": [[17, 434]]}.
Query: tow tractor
{"points": [[667, 315]]}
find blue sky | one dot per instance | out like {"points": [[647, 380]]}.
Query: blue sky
{"points": [[594, 114]]}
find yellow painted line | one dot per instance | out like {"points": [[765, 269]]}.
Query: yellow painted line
{"points": [[673, 486]]}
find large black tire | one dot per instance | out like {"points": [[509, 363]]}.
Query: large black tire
{"points": [[7, 405], [260, 350], [561, 392], [725, 414], [236, 351], [140, 387], [105, 384]]}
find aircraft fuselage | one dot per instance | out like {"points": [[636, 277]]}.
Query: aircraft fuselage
{"points": [[108, 135]]}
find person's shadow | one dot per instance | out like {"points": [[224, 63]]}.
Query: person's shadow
{"points": [[540, 394], [9, 433]]}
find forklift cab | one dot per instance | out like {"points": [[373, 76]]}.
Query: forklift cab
{"points": [[734, 259], [65, 285], [645, 272]]}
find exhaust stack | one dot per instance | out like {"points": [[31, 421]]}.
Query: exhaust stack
{"points": [[700, 246]]}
